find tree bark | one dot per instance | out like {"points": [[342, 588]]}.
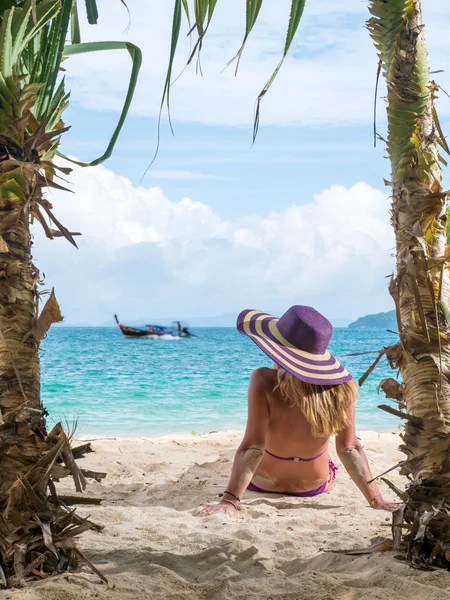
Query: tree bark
{"points": [[22, 427], [36, 529], [421, 286]]}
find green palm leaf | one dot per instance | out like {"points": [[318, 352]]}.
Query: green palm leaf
{"points": [[91, 11], [251, 16], [296, 13], [75, 25], [186, 12], [136, 57], [203, 12], [176, 26]]}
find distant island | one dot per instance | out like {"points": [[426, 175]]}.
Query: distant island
{"points": [[385, 320]]}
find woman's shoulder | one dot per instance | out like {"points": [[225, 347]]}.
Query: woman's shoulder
{"points": [[263, 377]]}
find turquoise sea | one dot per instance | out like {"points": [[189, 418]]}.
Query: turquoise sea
{"points": [[114, 386]]}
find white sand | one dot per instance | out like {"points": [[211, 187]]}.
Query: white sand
{"points": [[157, 545]]}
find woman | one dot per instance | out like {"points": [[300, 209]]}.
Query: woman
{"points": [[293, 409]]}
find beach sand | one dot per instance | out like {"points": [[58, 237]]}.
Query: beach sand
{"points": [[156, 544]]}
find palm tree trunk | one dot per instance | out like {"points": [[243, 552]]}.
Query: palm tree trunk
{"points": [[22, 423], [421, 287], [35, 529]]}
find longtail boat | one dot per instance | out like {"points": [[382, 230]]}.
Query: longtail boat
{"points": [[178, 329]]}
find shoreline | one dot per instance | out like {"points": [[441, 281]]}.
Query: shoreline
{"points": [[157, 544], [190, 435]]}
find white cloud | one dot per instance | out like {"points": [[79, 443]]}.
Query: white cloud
{"points": [[142, 254], [328, 77]]}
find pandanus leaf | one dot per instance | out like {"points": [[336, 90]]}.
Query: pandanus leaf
{"points": [[18, 28], [251, 15], [91, 11], [441, 138], [45, 12], [179, 6], [203, 12], [176, 26], [53, 53], [186, 12], [296, 13], [6, 5], [75, 35], [136, 57], [200, 12]]}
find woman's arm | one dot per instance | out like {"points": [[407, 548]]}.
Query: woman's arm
{"points": [[251, 450], [354, 459]]}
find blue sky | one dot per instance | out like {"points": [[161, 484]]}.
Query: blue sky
{"points": [[218, 225], [219, 166]]}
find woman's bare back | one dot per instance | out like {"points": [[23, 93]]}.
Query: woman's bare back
{"points": [[273, 426], [289, 435]]}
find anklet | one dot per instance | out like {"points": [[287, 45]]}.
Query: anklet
{"points": [[229, 502], [231, 494]]}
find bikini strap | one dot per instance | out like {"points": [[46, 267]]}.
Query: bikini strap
{"points": [[296, 458]]}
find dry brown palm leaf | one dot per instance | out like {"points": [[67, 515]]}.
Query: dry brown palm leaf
{"points": [[4, 248], [378, 545], [401, 414], [372, 367], [50, 314], [58, 234], [81, 500], [392, 389], [90, 565], [402, 495], [46, 164], [397, 524], [66, 233], [38, 141]]}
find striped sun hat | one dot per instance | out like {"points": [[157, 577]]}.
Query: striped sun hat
{"points": [[297, 342]]}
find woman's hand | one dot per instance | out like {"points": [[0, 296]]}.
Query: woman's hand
{"points": [[380, 504], [217, 508]]}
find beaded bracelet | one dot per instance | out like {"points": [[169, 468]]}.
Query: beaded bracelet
{"points": [[231, 494], [229, 502]]}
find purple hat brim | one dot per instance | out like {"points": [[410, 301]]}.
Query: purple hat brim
{"points": [[317, 369]]}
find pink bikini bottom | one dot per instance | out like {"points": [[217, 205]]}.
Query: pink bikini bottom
{"points": [[333, 468]]}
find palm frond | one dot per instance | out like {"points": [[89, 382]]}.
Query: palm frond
{"points": [[176, 26], [186, 12], [136, 57], [295, 16], [75, 25], [251, 16], [51, 50], [203, 12], [165, 98], [91, 11]]}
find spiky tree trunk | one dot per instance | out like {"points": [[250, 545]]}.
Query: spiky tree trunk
{"points": [[34, 527], [421, 287], [36, 530]]}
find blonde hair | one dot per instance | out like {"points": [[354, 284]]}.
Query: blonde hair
{"points": [[325, 407]]}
